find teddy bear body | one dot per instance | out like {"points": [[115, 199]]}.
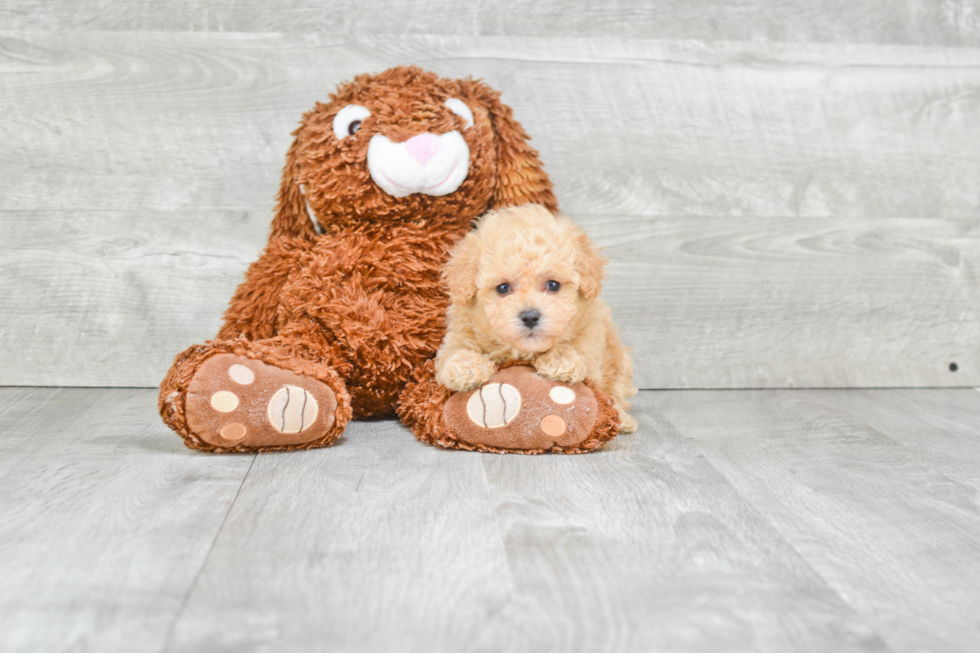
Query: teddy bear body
{"points": [[341, 315], [345, 306], [369, 300]]}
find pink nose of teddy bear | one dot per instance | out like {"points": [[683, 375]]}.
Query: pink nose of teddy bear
{"points": [[422, 147]]}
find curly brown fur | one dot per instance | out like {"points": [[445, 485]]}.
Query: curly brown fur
{"points": [[360, 306]]}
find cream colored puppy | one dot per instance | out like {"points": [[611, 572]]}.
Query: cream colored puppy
{"points": [[525, 285]]}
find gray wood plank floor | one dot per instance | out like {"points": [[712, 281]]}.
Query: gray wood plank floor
{"points": [[772, 520]]}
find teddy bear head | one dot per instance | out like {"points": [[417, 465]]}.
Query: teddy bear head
{"points": [[405, 145]]}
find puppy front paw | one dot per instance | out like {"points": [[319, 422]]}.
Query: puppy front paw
{"points": [[567, 366], [465, 370], [628, 422]]}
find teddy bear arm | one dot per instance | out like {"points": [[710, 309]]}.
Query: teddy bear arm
{"points": [[253, 309]]}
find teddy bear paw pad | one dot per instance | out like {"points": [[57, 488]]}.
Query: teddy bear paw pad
{"points": [[233, 400], [520, 410], [494, 405]]}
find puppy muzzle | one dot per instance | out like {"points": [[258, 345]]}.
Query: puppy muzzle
{"points": [[530, 318]]}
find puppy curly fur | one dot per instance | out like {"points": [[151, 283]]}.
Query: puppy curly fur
{"points": [[519, 265]]}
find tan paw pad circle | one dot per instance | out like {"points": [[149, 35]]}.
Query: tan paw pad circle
{"points": [[494, 405], [224, 401], [553, 426], [292, 409], [241, 374], [233, 431], [562, 395]]}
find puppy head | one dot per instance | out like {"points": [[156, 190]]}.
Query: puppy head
{"points": [[405, 145], [523, 274]]}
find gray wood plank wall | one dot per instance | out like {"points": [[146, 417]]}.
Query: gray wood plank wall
{"points": [[792, 201], [911, 22]]}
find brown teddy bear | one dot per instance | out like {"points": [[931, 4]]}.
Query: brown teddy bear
{"points": [[341, 315]]}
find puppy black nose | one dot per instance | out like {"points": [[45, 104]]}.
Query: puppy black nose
{"points": [[530, 317]]}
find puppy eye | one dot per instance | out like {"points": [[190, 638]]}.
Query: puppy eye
{"points": [[553, 286], [503, 289], [348, 120], [461, 110]]}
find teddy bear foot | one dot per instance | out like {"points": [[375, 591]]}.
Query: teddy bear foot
{"points": [[239, 403], [520, 411]]}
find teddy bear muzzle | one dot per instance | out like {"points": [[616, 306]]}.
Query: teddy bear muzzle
{"points": [[433, 164]]}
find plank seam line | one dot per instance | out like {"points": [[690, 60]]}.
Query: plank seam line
{"points": [[500, 531], [783, 537], [204, 563]]}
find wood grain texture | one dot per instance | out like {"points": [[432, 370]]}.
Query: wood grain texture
{"points": [[893, 535], [752, 302], [197, 122], [913, 22], [644, 547], [139, 170], [105, 519], [89, 304], [703, 302], [789, 520], [938, 427], [385, 544], [378, 543], [792, 520]]}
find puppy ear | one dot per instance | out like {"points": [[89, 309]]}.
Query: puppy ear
{"points": [[292, 219], [459, 274], [520, 176], [589, 264]]}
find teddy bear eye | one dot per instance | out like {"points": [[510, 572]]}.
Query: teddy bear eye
{"points": [[553, 286], [460, 109], [348, 120], [503, 289]]}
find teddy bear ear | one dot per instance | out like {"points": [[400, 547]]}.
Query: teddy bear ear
{"points": [[459, 274], [292, 217], [520, 176]]}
